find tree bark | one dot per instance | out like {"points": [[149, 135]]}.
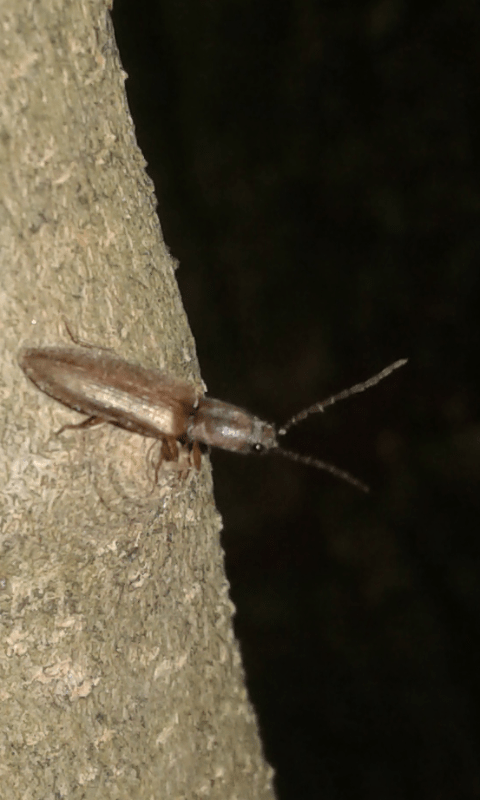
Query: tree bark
{"points": [[120, 674]]}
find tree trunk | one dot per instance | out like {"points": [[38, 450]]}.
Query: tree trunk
{"points": [[120, 675]]}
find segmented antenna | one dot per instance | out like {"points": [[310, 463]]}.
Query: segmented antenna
{"points": [[317, 407], [315, 462]]}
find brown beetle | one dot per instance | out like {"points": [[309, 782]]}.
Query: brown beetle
{"points": [[157, 405]]}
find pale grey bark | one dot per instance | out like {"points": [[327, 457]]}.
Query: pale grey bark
{"points": [[119, 673]]}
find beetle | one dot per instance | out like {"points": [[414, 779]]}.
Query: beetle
{"points": [[155, 404]]}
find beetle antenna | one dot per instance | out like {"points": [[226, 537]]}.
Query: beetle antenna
{"points": [[315, 462], [335, 398]]}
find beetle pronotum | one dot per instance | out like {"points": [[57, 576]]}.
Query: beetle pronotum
{"points": [[155, 404]]}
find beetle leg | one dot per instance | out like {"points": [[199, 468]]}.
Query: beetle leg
{"points": [[87, 423]]}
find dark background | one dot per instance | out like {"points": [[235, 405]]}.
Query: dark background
{"points": [[316, 167]]}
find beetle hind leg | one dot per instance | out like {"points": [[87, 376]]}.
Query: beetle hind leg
{"points": [[90, 422]]}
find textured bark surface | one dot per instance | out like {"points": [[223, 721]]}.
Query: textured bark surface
{"points": [[120, 676]]}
